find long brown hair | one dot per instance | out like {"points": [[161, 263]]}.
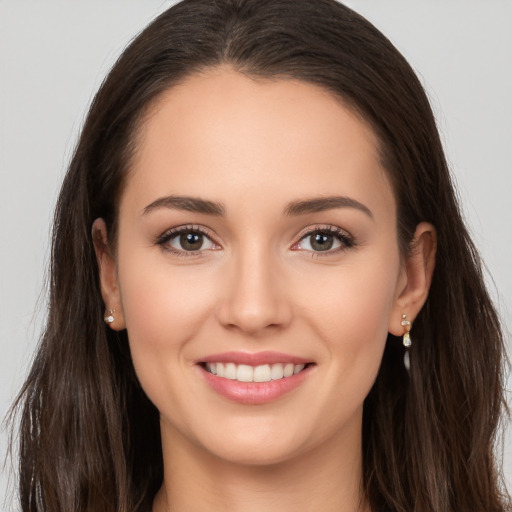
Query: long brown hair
{"points": [[89, 438]]}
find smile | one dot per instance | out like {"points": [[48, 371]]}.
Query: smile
{"points": [[247, 373], [253, 379]]}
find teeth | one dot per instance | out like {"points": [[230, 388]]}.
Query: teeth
{"points": [[277, 371], [230, 371], [246, 373], [288, 370], [262, 373], [298, 368]]}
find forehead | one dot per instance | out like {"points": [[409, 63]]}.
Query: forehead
{"points": [[223, 133]]}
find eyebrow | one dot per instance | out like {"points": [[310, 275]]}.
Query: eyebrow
{"points": [[189, 204], [325, 203], [195, 204]]}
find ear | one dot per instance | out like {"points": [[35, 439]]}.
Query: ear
{"points": [[415, 279], [108, 274]]}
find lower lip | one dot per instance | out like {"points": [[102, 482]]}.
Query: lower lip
{"points": [[254, 393]]}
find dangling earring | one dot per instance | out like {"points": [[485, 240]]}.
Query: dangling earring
{"points": [[406, 340], [109, 316]]}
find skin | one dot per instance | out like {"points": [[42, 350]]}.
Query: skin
{"points": [[255, 146]]}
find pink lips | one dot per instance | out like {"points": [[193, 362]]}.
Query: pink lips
{"points": [[253, 393], [253, 359]]}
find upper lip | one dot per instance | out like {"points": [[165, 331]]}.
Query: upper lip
{"points": [[253, 359]]}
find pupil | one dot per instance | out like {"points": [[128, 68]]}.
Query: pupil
{"points": [[191, 241], [322, 242]]}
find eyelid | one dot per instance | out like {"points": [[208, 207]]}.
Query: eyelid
{"points": [[346, 239], [167, 235]]}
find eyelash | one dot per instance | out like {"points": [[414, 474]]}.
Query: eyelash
{"points": [[163, 240], [345, 239]]}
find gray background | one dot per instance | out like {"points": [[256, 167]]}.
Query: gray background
{"points": [[54, 54]]}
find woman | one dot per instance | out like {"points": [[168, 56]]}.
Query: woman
{"points": [[256, 215]]}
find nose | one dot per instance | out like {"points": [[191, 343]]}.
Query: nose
{"points": [[255, 300]]}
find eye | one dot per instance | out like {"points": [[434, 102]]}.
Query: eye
{"points": [[324, 240], [319, 242], [186, 240], [190, 241]]}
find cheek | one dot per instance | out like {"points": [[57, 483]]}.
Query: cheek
{"points": [[355, 300], [352, 318], [163, 310], [160, 299], [365, 304]]}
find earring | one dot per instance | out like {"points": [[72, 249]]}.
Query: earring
{"points": [[109, 316], [406, 340]]}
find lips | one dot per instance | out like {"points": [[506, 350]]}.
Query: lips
{"points": [[254, 378], [254, 359]]}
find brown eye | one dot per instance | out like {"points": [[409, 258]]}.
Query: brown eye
{"points": [[324, 240], [321, 241], [189, 241]]}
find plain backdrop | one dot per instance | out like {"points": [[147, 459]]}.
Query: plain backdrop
{"points": [[54, 55]]}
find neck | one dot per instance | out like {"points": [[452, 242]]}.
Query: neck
{"points": [[326, 478]]}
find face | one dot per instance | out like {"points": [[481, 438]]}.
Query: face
{"points": [[257, 270]]}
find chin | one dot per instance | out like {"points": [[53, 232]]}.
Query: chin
{"points": [[256, 454], [256, 441]]}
